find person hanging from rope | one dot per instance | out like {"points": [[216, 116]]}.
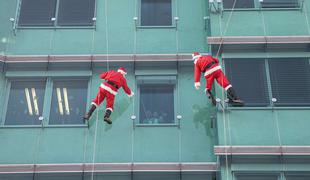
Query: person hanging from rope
{"points": [[211, 69], [108, 89]]}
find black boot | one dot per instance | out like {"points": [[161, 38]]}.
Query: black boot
{"points": [[233, 98], [107, 115], [90, 112], [210, 96]]}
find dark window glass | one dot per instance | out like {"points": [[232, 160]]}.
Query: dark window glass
{"points": [[229, 4], [37, 12], [156, 13], [156, 103], [256, 177], [290, 81], [298, 177], [279, 3], [68, 102], [76, 12], [25, 104], [248, 77]]}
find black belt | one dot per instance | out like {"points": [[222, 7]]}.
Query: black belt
{"points": [[208, 66], [113, 84]]}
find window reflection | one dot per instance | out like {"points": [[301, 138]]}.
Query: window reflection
{"points": [[68, 101], [25, 103]]}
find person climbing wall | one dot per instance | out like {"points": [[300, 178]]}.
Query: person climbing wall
{"points": [[211, 69], [108, 89]]}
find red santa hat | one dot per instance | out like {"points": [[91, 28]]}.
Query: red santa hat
{"points": [[122, 70], [196, 55]]}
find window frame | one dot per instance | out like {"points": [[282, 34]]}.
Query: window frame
{"points": [[173, 15], [22, 76], [55, 24], [137, 101], [258, 6], [51, 83], [270, 105]]}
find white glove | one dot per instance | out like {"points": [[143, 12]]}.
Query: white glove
{"points": [[131, 94], [197, 85]]}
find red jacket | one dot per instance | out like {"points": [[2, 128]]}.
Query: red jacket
{"points": [[118, 79], [201, 63]]}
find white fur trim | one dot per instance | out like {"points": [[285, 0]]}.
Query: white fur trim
{"points": [[227, 87], [131, 94], [196, 57], [212, 70], [103, 86], [121, 71], [94, 104], [195, 61], [109, 109], [197, 83]]}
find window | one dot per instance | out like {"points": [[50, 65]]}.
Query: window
{"points": [[70, 12], [298, 177], [253, 176], [228, 4], [156, 13], [25, 104], [76, 12], [248, 77], [290, 81], [37, 12], [68, 101], [156, 99], [279, 4]]}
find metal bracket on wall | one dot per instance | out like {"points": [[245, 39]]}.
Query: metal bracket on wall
{"points": [[176, 19], [13, 23], [135, 19]]}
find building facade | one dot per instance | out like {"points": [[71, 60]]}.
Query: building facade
{"points": [[53, 51]]}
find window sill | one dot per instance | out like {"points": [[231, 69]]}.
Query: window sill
{"points": [[46, 126], [56, 27], [267, 108], [156, 27], [264, 9], [157, 125]]}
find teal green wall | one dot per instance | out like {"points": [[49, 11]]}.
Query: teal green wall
{"points": [[188, 37], [264, 127], [194, 140], [262, 22]]}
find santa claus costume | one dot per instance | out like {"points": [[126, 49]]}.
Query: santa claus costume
{"points": [[108, 89], [211, 69]]}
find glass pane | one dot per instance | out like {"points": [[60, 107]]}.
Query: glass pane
{"points": [[37, 12], [298, 177], [156, 103], [68, 102], [290, 81], [76, 12], [228, 4], [248, 77], [280, 4], [16, 176], [156, 13], [25, 103], [256, 177], [59, 176]]}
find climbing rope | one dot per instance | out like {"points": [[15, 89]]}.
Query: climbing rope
{"points": [[223, 92]]}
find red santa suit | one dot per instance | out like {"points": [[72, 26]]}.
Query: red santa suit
{"points": [[109, 88], [211, 69]]}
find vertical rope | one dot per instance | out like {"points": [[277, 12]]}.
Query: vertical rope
{"points": [[223, 93], [178, 90], [134, 89]]}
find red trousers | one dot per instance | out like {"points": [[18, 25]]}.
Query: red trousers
{"points": [[220, 78], [100, 97]]}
